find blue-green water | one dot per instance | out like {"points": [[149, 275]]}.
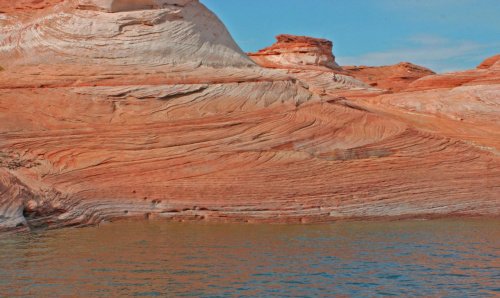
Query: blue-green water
{"points": [[411, 258]]}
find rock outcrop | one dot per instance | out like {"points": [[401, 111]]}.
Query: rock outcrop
{"points": [[487, 72], [488, 63], [312, 61], [463, 105], [395, 77], [148, 109], [300, 52]]}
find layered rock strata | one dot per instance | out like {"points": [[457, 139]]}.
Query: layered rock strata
{"points": [[302, 52], [311, 60], [463, 105], [395, 77], [487, 73], [152, 111]]}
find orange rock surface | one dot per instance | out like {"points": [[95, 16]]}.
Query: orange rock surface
{"points": [[486, 73], [466, 106], [111, 112], [23, 5], [311, 60], [488, 63], [395, 77], [301, 52]]}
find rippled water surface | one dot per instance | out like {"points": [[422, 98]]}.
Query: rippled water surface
{"points": [[411, 258]]}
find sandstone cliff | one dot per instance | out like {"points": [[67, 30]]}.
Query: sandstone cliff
{"points": [[116, 109]]}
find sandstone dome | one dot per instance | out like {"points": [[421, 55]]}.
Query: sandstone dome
{"points": [[119, 32]]}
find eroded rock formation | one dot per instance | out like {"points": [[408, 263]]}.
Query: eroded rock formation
{"points": [[395, 77], [464, 105], [311, 60], [487, 73], [488, 63], [301, 52], [131, 109]]}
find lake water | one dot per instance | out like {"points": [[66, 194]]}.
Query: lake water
{"points": [[458, 258]]}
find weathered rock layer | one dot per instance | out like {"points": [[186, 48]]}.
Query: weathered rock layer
{"points": [[487, 73], [301, 52], [396, 77], [311, 60], [463, 105], [148, 109]]}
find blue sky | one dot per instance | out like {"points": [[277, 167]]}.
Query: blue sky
{"points": [[443, 35]]}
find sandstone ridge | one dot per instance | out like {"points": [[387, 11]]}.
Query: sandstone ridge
{"points": [[463, 104], [395, 77], [149, 110], [487, 73]]}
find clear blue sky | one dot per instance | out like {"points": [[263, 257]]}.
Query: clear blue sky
{"points": [[444, 35]]}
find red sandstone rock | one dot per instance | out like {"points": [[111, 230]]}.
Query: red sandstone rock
{"points": [[159, 115], [311, 60], [394, 77], [463, 105], [23, 5], [468, 113], [489, 62], [300, 52], [486, 73]]}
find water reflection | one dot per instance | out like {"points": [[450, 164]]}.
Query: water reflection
{"points": [[413, 258]]}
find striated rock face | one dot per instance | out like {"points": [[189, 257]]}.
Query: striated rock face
{"points": [[301, 52], [488, 63], [124, 109], [487, 72], [466, 105], [311, 60], [76, 41], [395, 77]]}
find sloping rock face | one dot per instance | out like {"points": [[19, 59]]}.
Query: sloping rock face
{"points": [[488, 63], [395, 77], [466, 106], [77, 43], [131, 109], [487, 72]]}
